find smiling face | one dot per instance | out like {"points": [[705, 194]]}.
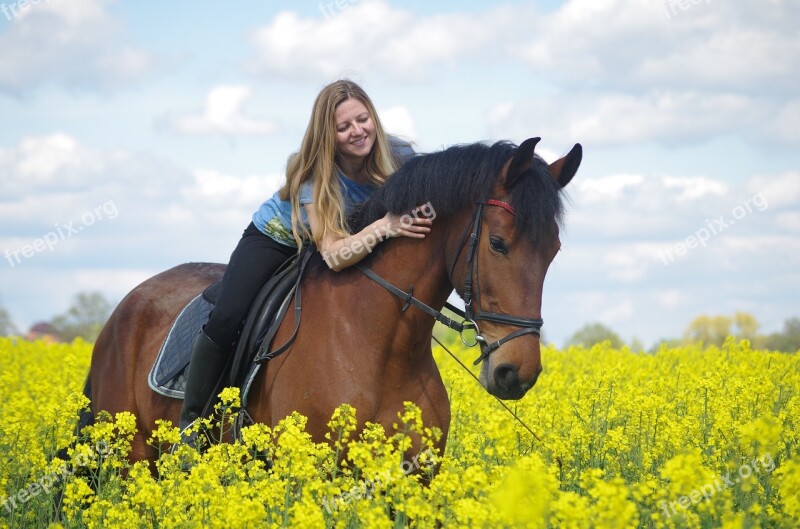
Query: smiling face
{"points": [[355, 133]]}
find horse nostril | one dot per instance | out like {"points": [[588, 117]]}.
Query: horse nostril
{"points": [[507, 377]]}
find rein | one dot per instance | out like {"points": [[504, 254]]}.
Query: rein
{"points": [[472, 313], [503, 404]]}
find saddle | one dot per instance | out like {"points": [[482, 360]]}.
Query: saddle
{"points": [[254, 345]]}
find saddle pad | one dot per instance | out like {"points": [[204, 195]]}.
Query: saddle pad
{"points": [[168, 374]]}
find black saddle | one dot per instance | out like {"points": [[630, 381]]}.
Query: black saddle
{"points": [[168, 374]]}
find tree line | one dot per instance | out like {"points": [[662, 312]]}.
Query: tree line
{"points": [[710, 330], [83, 319], [90, 310]]}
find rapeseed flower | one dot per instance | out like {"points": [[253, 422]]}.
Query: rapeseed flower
{"points": [[686, 437]]}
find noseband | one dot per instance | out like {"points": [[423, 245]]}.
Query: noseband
{"points": [[472, 313]]}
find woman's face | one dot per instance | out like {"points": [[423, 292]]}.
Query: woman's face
{"points": [[355, 130]]}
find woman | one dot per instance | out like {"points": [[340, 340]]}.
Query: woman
{"points": [[345, 155]]}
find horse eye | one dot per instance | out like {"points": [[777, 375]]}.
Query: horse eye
{"points": [[498, 245]]}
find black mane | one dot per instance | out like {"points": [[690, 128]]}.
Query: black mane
{"points": [[458, 177]]}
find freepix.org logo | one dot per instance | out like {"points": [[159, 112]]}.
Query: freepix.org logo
{"points": [[62, 231], [764, 463], [15, 9], [372, 239]]}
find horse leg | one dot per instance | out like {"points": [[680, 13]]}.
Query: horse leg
{"points": [[113, 373], [426, 389]]}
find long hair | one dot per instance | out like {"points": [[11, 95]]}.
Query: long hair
{"points": [[316, 161]]}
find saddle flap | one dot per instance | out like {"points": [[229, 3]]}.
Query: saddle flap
{"points": [[168, 374], [264, 309]]}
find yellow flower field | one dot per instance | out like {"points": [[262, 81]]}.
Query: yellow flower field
{"points": [[686, 437]]}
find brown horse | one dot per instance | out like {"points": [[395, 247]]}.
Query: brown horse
{"points": [[497, 211]]}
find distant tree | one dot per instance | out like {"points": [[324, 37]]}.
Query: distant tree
{"points": [[7, 327], [788, 340], [636, 345], [593, 333], [85, 318], [665, 342], [711, 330], [746, 325]]}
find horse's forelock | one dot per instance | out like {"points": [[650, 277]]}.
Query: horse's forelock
{"points": [[538, 202]]}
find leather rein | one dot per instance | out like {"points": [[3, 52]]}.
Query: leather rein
{"points": [[472, 312]]}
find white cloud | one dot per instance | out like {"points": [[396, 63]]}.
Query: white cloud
{"points": [[226, 200], [789, 221], [369, 36], [607, 187], [631, 229], [214, 184], [637, 205], [222, 114], [637, 238], [671, 298], [718, 45], [619, 119], [55, 178], [693, 188], [595, 306], [75, 43], [49, 164], [691, 75], [783, 128], [398, 121], [721, 46], [777, 191], [628, 263]]}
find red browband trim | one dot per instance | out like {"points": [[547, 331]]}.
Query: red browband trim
{"points": [[505, 205]]}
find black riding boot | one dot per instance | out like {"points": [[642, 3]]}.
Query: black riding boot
{"points": [[205, 369]]}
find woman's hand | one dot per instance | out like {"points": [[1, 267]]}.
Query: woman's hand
{"points": [[407, 225], [342, 253]]}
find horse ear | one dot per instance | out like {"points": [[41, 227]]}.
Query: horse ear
{"points": [[521, 161], [564, 169]]}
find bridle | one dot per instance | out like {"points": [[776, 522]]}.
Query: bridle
{"points": [[472, 312]]}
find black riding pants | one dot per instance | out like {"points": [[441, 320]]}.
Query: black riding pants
{"points": [[256, 258]]}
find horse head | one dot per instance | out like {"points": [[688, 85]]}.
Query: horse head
{"points": [[500, 267]]}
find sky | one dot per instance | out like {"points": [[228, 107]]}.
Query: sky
{"points": [[135, 136]]}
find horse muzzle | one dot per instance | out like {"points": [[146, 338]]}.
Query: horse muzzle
{"points": [[503, 381]]}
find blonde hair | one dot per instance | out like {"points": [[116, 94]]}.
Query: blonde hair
{"points": [[316, 161]]}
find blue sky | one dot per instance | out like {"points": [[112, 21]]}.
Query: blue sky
{"points": [[135, 136]]}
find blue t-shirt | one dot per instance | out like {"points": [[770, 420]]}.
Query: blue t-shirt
{"points": [[274, 217]]}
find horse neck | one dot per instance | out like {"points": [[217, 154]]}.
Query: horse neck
{"points": [[421, 264]]}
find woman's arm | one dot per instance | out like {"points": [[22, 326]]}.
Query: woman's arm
{"points": [[341, 253]]}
